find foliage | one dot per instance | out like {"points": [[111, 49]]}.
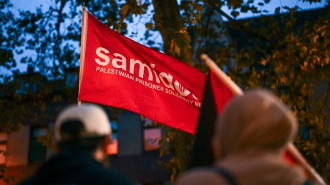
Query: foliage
{"points": [[291, 59], [279, 53]]}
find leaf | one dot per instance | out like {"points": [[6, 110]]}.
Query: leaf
{"points": [[149, 26], [263, 62], [234, 13], [244, 9], [124, 10], [177, 50], [277, 10]]}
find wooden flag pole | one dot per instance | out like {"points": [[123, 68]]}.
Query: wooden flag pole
{"points": [[220, 74], [293, 151], [314, 176], [82, 46]]}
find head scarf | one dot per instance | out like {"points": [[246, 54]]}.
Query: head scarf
{"points": [[256, 121]]}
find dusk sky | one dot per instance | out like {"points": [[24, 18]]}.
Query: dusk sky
{"points": [[140, 28], [32, 4]]}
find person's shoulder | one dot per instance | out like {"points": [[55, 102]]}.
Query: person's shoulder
{"points": [[112, 176], [120, 177], [200, 176]]}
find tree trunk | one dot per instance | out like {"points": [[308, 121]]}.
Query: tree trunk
{"points": [[177, 44], [171, 26]]}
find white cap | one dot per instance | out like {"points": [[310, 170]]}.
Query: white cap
{"points": [[93, 118]]}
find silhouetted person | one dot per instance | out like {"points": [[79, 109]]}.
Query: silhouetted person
{"points": [[82, 134], [249, 140]]}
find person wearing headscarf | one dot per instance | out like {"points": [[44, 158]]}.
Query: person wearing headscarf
{"points": [[249, 140]]}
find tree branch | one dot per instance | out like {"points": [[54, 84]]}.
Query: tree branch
{"points": [[240, 25]]}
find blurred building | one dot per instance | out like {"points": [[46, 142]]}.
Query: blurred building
{"points": [[134, 150]]}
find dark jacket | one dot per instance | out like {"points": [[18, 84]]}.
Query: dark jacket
{"points": [[75, 168]]}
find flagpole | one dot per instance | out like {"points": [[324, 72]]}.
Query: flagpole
{"points": [[220, 74], [290, 148], [82, 46], [302, 161]]}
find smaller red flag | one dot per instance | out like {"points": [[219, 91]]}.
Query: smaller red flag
{"points": [[216, 95], [221, 93]]}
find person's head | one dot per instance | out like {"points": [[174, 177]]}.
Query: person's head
{"points": [[255, 121], [85, 127]]}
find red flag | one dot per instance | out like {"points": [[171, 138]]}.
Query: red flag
{"points": [[119, 72], [216, 95], [221, 92]]}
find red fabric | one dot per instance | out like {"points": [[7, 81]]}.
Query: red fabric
{"points": [[221, 93], [292, 160], [163, 88], [289, 158]]}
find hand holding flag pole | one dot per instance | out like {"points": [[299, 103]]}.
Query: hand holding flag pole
{"points": [[291, 149]]}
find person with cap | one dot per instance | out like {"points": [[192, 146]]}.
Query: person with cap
{"points": [[248, 144], [82, 134]]}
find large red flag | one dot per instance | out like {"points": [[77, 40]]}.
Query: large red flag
{"points": [[120, 72]]}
